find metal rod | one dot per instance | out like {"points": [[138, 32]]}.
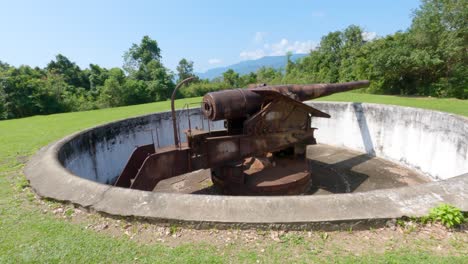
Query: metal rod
{"points": [[201, 118], [209, 128], [174, 118]]}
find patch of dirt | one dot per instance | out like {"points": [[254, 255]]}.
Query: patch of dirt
{"points": [[433, 238]]}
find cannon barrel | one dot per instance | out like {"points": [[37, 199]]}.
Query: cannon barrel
{"points": [[240, 103]]}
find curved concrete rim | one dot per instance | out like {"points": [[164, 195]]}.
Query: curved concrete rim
{"points": [[50, 179]]}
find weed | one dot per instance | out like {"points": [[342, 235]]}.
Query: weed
{"points": [[69, 212], [261, 232], [324, 236], [401, 223], [30, 196], [173, 229], [448, 215], [292, 239], [410, 227], [422, 220]]}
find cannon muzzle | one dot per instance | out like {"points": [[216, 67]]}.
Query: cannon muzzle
{"points": [[241, 103]]}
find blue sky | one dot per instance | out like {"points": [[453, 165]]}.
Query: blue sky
{"points": [[210, 33]]}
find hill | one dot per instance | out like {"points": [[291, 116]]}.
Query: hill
{"points": [[245, 67]]}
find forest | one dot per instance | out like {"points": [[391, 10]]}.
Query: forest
{"points": [[429, 58]]}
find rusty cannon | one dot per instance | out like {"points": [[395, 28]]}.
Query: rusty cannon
{"points": [[263, 125]]}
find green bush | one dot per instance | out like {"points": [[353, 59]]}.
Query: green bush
{"points": [[200, 88], [448, 215]]}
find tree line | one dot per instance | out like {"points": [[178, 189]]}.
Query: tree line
{"points": [[62, 86], [428, 59]]}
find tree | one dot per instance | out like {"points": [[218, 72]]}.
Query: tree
{"points": [[113, 93], [3, 66], [3, 111], [143, 63], [391, 65], [440, 32], [289, 62], [97, 76], [21, 88], [3, 76], [231, 78], [161, 85], [329, 53], [247, 79], [52, 95], [268, 75], [351, 54], [72, 74], [137, 57], [184, 69]]}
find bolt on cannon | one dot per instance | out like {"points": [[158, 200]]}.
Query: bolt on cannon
{"points": [[260, 124]]}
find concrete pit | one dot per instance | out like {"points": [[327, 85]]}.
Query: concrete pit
{"points": [[372, 162], [333, 170]]}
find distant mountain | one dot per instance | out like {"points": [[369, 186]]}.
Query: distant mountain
{"points": [[245, 67]]}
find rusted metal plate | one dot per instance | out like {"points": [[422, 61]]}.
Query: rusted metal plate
{"points": [[224, 149], [232, 172], [258, 145], [289, 176], [163, 164], [277, 116], [133, 165], [287, 101]]}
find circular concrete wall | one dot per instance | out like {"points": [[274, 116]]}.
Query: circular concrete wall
{"points": [[100, 154], [435, 143]]}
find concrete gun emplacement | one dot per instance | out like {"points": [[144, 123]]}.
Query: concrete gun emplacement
{"points": [[258, 121]]}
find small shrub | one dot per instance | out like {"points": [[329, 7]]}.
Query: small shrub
{"points": [[401, 223], [324, 236], [173, 229], [448, 215], [424, 220], [69, 212]]}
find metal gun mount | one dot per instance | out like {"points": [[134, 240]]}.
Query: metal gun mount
{"points": [[259, 122]]}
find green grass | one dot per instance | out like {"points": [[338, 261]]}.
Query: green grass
{"points": [[456, 106], [29, 235]]}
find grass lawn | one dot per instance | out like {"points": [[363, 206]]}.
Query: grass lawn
{"points": [[28, 233], [456, 106]]}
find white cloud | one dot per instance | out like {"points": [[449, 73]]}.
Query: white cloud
{"points": [[214, 61], [318, 14], [252, 55], [285, 46], [368, 36], [259, 37], [280, 48]]}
